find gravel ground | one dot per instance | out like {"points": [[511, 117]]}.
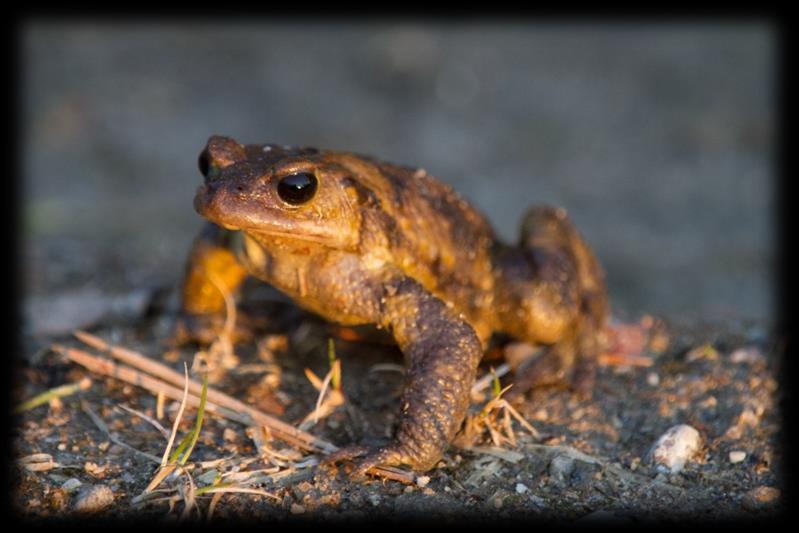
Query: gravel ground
{"points": [[583, 461]]}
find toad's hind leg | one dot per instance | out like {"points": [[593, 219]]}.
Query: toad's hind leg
{"points": [[560, 287]]}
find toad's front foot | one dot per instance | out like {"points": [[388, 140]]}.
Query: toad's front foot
{"points": [[393, 454], [205, 329]]}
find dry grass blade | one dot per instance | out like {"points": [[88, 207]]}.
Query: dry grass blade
{"points": [[153, 422], [496, 418], [335, 365], [224, 488], [178, 418], [321, 397], [485, 381], [327, 401], [189, 493], [166, 468], [212, 506], [104, 428], [230, 305], [220, 355], [174, 461], [191, 439], [57, 392], [502, 453]]}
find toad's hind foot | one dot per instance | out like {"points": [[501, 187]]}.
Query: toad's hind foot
{"points": [[558, 365]]}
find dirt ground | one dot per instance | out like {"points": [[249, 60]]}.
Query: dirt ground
{"points": [[587, 462]]}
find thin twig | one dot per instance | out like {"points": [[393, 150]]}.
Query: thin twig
{"points": [[245, 414]]}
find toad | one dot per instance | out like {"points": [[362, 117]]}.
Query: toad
{"points": [[361, 241]]}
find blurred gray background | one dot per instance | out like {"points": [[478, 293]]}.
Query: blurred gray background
{"points": [[657, 138]]}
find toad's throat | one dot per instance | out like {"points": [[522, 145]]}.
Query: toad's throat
{"points": [[266, 234]]}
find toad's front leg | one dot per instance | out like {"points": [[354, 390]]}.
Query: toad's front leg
{"points": [[442, 353], [212, 270]]}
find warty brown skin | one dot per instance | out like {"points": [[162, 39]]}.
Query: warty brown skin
{"points": [[360, 241]]}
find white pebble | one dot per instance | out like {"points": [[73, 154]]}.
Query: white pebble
{"points": [[749, 354], [678, 445], [521, 488], [737, 456], [653, 379], [422, 481]]}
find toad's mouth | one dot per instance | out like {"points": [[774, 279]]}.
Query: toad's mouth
{"points": [[250, 216]]}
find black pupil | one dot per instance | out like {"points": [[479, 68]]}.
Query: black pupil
{"points": [[297, 188], [203, 163]]}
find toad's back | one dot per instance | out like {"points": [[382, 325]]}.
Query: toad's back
{"points": [[433, 234]]}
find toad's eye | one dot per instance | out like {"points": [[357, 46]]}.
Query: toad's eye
{"points": [[207, 168], [297, 189]]}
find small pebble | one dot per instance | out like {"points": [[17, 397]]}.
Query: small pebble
{"points": [[538, 501], [561, 468], [678, 445], [94, 498], [57, 478], [94, 469], [760, 498], [422, 481], [208, 477], [521, 488], [374, 499], [748, 355], [71, 484], [737, 456], [653, 379], [297, 508]]}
